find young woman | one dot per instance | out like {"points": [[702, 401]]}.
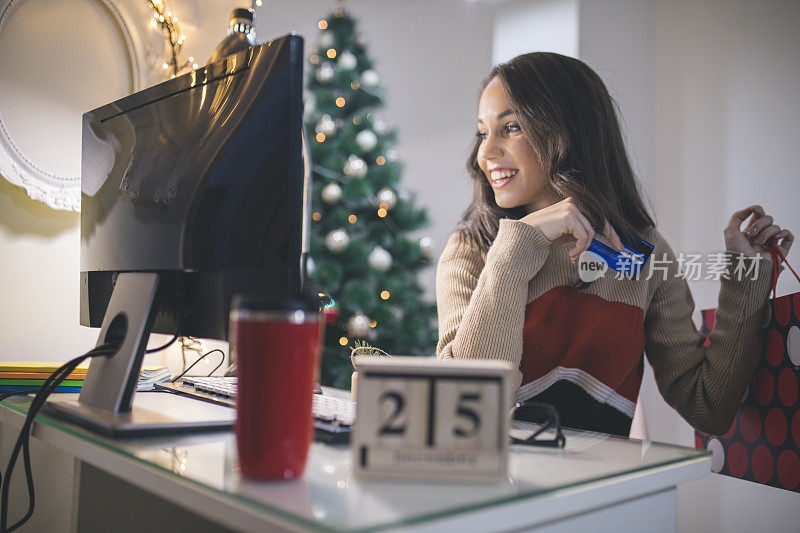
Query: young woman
{"points": [[550, 171]]}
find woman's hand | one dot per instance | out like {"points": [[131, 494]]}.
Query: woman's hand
{"points": [[563, 222], [757, 235]]}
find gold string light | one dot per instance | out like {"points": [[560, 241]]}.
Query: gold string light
{"points": [[343, 341], [340, 102], [380, 160], [385, 295], [354, 85], [317, 216], [331, 53], [382, 212], [320, 137], [164, 19], [322, 24], [314, 59], [352, 219]]}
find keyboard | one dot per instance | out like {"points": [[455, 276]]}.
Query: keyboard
{"points": [[333, 417]]}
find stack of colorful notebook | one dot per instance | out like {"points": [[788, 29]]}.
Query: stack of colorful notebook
{"points": [[22, 375]]}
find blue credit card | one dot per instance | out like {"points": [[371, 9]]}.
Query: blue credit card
{"points": [[629, 262]]}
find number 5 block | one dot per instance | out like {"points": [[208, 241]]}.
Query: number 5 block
{"points": [[423, 418]]}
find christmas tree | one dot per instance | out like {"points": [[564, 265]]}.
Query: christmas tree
{"points": [[365, 253]]}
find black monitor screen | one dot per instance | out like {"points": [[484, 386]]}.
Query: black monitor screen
{"points": [[199, 178]]}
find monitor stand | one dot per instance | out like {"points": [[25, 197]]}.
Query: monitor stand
{"points": [[107, 402]]}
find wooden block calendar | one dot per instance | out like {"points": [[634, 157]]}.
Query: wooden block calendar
{"points": [[423, 418]]}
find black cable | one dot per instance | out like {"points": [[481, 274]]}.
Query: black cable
{"points": [[23, 440], [164, 347], [25, 451], [50, 384], [7, 395], [219, 364], [179, 376]]}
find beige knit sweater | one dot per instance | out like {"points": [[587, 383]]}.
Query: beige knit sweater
{"points": [[518, 303]]}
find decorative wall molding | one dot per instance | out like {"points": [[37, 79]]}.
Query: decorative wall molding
{"points": [[60, 191]]}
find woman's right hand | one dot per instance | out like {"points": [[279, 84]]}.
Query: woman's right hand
{"points": [[563, 222]]}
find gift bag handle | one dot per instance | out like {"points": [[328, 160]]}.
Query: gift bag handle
{"points": [[777, 257]]}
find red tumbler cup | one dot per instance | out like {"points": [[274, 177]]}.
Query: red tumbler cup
{"points": [[277, 347]]}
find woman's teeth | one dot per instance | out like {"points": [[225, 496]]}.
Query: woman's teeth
{"points": [[501, 177]]}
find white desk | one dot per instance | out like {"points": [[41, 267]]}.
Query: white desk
{"points": [[597, 483]]}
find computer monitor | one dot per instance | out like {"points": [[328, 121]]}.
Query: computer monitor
{"points": [[191, 191]]}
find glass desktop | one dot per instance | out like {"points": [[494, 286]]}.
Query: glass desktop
{"points": [[329, 498]]}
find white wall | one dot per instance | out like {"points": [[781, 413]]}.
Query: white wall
{"points": [[523, 26], [727, 75], [708, 96]]}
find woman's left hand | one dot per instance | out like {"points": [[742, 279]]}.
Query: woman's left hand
{"points": [[757, 235]]}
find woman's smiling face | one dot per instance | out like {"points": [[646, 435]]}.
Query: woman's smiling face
{"points": [[506, 157]]}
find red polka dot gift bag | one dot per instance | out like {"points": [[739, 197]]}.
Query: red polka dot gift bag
{"points": [[763, 443]]}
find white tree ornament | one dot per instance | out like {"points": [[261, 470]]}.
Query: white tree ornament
{"points": [[388, 197], [426, 246], [347, 61], [366, 140], [324, 73], [380, 259], [331, 193], [370, 78], [358, 325], [326, 125], [337, 240], [355, 167]]}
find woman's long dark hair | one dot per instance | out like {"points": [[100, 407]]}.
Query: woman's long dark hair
{"points": [[567, 115]]}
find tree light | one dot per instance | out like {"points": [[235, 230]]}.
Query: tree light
{"points": [[317, 216], [322, 24], [385, 295], [343, 341], [320, 137], [331, 53], [382, 212], [380, 160], [352, 219], [340, 102]]}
